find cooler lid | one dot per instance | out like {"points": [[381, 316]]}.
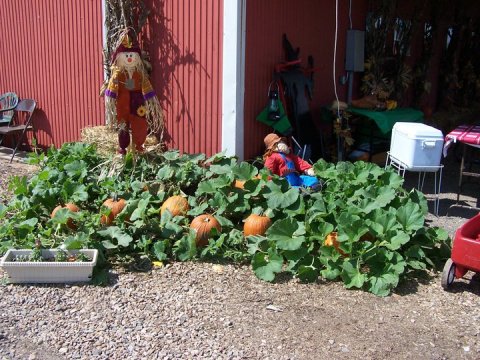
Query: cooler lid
{"points": [[417, 130]]}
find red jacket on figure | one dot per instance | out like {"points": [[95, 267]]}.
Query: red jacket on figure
{"points": [[277, 165]]}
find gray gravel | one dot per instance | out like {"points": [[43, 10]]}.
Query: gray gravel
{"points": [[207, 311]]}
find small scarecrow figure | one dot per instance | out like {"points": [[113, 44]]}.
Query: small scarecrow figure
{"points": [[280, 161], [131, 102]]}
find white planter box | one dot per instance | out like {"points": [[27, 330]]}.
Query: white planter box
{"points": [[417, 146], [48, 271]]}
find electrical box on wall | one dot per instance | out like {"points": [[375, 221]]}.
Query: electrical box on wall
{"points": [[355, 50]]}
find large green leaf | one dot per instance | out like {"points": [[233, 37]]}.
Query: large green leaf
{"points": [[277, 199], [115, 233], [419, 198], [26, 227], [385, 261], [383, 284], [160, 249], [383, 221], [282, 233], [165, 173], [222, 166], [318, 206], [309, 268], [410, 217], [139, 212], [320, 229], [244, 171], [350, 227], [77, 241], [76, 169], [219, 202], [297, 209], [396, 239], [171, 230], [351, 275], [392, 179], [293, 257], [266, 265], [211, 186], [237, 203], [386, 267], [186, 248], [171, 155], [372, 198], [332, 262], [19, 185], [256, 243]]}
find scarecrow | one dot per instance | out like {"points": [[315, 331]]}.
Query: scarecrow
{"points": [[132, 105], [280, 161]]}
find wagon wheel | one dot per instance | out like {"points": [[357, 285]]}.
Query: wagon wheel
{"points": [[448, 274]]}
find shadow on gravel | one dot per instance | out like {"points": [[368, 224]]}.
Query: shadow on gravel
{"points": [[409, 285], [462, 209], [471, 285]]}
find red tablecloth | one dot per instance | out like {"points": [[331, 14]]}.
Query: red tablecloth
{"points": [[467, 134]]}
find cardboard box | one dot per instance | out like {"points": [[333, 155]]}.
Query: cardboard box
{"points": [[417, 146]]}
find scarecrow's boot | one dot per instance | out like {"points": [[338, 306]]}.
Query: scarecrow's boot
{"points": [[123, 141]]}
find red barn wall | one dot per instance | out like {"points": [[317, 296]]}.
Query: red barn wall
{"points": [[51, 51], [310, 25], [184, 39]]}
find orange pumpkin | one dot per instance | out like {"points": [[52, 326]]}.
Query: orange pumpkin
{"points": [[116, 206], [177, 205], [239, 184], [202, 225], [256, 225], [70, 206], [331, 240]]}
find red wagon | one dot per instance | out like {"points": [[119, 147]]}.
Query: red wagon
{"points": [[465, 252]]}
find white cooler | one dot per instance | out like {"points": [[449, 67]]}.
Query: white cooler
{"points": [[417, 146]]}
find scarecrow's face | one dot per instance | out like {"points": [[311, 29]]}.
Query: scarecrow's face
{"points": [[128, 60], [282, 147]]}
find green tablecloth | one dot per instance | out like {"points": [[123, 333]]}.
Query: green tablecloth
{"points": [[386, 119]]}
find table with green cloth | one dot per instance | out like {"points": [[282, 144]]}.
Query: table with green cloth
{"points": [[387, 118], [374, 132]]}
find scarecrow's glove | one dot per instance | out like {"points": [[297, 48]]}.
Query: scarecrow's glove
{"points": [[310, 172]]}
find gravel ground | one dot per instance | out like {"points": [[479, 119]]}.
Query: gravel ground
{"points": [[208, 311]]}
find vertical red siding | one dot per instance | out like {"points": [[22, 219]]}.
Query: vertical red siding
{"points": [[184, 38], [310, 25], [51, 51]]}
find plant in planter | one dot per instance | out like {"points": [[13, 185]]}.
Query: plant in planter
{"points": [[49, 265]]}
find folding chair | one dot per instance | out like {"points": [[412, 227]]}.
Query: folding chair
{"points": [[8, 102], [19, 124]]}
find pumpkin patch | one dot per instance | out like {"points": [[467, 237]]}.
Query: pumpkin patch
{"points": [[294, 234]]}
